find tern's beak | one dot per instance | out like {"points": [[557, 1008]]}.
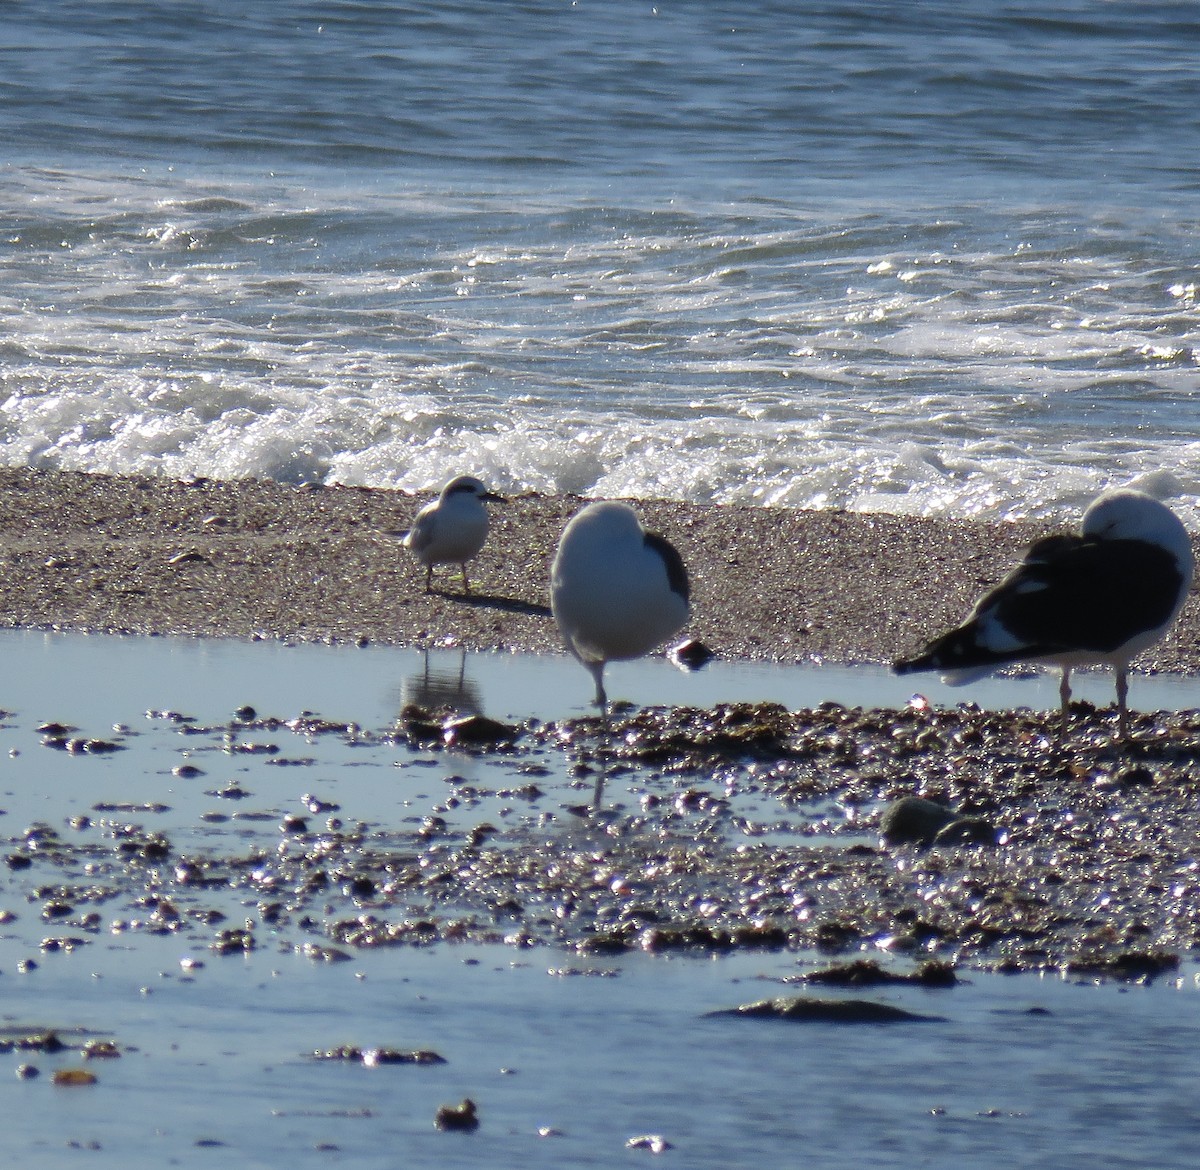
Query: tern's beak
{"points": [[494, 497]]}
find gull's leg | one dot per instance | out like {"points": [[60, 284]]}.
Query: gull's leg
{"points": [[601, 699], [1064, 695], [1122, 704]]}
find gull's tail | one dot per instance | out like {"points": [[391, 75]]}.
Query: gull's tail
{"points": [[958, 656]]}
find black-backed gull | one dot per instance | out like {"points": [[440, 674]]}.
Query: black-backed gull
{"points": [[1099, 598]]}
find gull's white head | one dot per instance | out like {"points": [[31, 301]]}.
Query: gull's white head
{"points": [[1125, 514]]}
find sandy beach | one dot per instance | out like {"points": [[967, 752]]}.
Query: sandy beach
{"points": [[258, 559]]}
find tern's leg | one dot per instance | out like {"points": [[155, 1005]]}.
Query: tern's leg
{"points": [[466, 583], [1064, 695], [429, 578]]}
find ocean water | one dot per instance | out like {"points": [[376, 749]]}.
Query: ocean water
{"points": [[931, 258]]}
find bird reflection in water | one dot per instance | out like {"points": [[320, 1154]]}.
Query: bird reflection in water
{"points": [[442, 687]]}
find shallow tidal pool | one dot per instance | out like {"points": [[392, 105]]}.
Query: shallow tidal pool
{"points": [[566, 1055]]}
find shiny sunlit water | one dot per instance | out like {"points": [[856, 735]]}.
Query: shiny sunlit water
{"points": [[1018, 1071], [209, 679]]}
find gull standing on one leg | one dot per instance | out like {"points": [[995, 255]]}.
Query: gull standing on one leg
{"points": [[1099, 598], [616, 591], [451, 529]]}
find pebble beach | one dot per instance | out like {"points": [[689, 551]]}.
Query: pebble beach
{"points": [[304, 864]]}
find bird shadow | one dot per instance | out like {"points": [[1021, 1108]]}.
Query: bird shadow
{"points": [[494, 601]]}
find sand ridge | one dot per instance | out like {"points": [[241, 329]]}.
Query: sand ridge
{"points": [[247, 559]]}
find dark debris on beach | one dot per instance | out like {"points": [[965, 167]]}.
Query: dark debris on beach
{"points": [[1091, 866]]}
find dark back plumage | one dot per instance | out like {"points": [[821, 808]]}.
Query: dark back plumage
{"points": [[677, 575]]}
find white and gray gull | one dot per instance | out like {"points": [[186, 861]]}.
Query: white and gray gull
{"points": [[1095, 599], [616, 590], [451, 529]]}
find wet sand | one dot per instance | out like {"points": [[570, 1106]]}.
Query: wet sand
{"points": [[257, 559]]}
